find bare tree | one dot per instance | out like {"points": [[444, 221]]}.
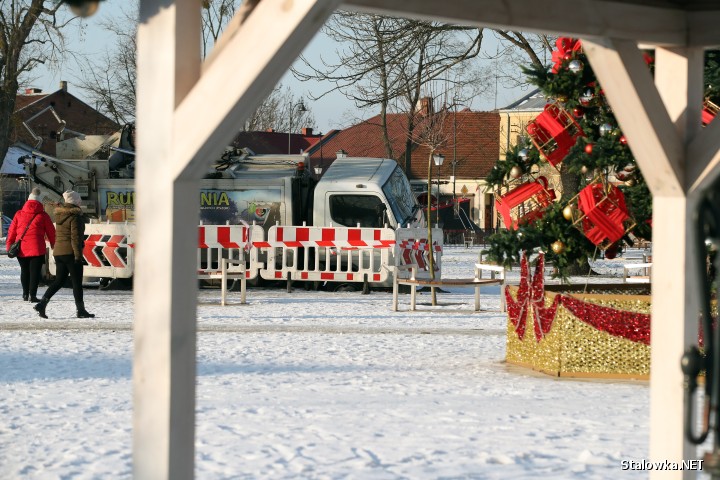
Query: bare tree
{"points": [[431, 133], [111, 83], [280, 111], [216, 15], [383, 59], [516, 50], [30, 34]]}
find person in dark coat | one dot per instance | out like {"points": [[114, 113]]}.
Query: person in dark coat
{"points": [[68, 253], [32, 247]]}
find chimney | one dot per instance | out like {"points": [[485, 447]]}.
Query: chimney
{"points": [[63, 85], [307, 131], [425, 106], [270, 130], [30, 91]]}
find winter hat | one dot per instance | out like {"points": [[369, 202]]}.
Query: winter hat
{"points": [[72, 197], [35, 194]]}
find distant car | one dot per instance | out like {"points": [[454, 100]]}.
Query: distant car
{"points": [[5, 225]]}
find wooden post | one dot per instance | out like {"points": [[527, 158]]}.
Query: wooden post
{"points": [[173, 151], [659, 118], [166, 218]]}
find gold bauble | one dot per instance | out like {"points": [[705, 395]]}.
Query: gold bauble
{"points": [[630, 182], [584, 170], [569, 213], [558, 247], [515, 172]]}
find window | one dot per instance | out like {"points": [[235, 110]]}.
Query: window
{"points": [[401, 198], [351, 210]]}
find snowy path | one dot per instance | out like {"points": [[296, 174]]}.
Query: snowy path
{"points": [[310, 385]]}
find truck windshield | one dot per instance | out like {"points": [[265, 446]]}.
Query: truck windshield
{"points": [[400, 197]]}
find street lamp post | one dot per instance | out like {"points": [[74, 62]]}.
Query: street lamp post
{"points": [[301, 108], [438, 158]]}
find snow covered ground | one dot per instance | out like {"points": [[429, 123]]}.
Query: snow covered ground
{"points": [[311, 385]]}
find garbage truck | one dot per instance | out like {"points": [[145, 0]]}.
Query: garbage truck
{"points": [[241, 188]]}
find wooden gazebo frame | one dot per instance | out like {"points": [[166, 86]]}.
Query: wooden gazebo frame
{"points": [[188, 110]]}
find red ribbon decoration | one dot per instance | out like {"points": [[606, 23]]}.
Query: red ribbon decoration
{"points": [[543, 316], [631, 325], [531, 293], [517, 309], [564, 46]]}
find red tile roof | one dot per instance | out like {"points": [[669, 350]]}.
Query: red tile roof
{"points": [[79, 117], [471, 138], [22, 101], [274, 142]]}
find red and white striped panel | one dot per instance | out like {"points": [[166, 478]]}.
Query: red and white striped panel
{"points": [[228, 241], [337, 277], [225, 236], [334, 237], [413, 248], [340, 254], [109, 251]]}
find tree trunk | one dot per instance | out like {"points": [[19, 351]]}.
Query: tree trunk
{"points": [[570, 186]]}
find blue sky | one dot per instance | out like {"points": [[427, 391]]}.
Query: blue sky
{"points": [[332, 111]]}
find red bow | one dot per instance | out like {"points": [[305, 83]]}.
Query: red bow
{"points": [[565, 46]]}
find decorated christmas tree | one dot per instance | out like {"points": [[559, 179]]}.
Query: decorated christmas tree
{"points": [[602, 202]]}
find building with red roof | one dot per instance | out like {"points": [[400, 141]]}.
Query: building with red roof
{"points": [[38, 118], [470, 147], [272, 142]]}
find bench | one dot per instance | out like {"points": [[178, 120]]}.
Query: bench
{"points": [[223, 275], [476, 282], [644, 278]]}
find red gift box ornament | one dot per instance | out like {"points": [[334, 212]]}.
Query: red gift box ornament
{"points": [[524, 203], [554, 132], [604, 215], [708, 112]]}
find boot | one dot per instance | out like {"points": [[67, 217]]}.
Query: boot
{"points": [[34, 299], [40, 307], [82, 313], [25, 297]]}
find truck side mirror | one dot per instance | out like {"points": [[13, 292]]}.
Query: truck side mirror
{"points": [[381, 210]]}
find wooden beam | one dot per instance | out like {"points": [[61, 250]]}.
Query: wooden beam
{"points": [[241, 75], [641, 114], [679, 80], [580, 18], [702, 28], [674, 327], [703, 158], [165, 285]]}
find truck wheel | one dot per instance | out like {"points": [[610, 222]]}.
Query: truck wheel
{"points": [[347, 287]]}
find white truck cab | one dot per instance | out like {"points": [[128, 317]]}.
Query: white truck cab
{"points": [[369, 192]]}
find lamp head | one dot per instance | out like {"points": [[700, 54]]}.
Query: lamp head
{"points": [[438, 158], [301, 106], [83, 8]]}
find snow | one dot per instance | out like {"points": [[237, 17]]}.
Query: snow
{"points": [[312, 385]]}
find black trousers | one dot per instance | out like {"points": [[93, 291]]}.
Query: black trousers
{"points": [[30, 268], [66, 265]]}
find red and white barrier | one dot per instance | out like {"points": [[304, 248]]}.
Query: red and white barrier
{"points": [[109, 250], [231, 242], [413, 249], [325, 254], [334, 254]]}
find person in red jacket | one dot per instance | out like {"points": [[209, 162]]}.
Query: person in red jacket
{"points": [[32, 247]]}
